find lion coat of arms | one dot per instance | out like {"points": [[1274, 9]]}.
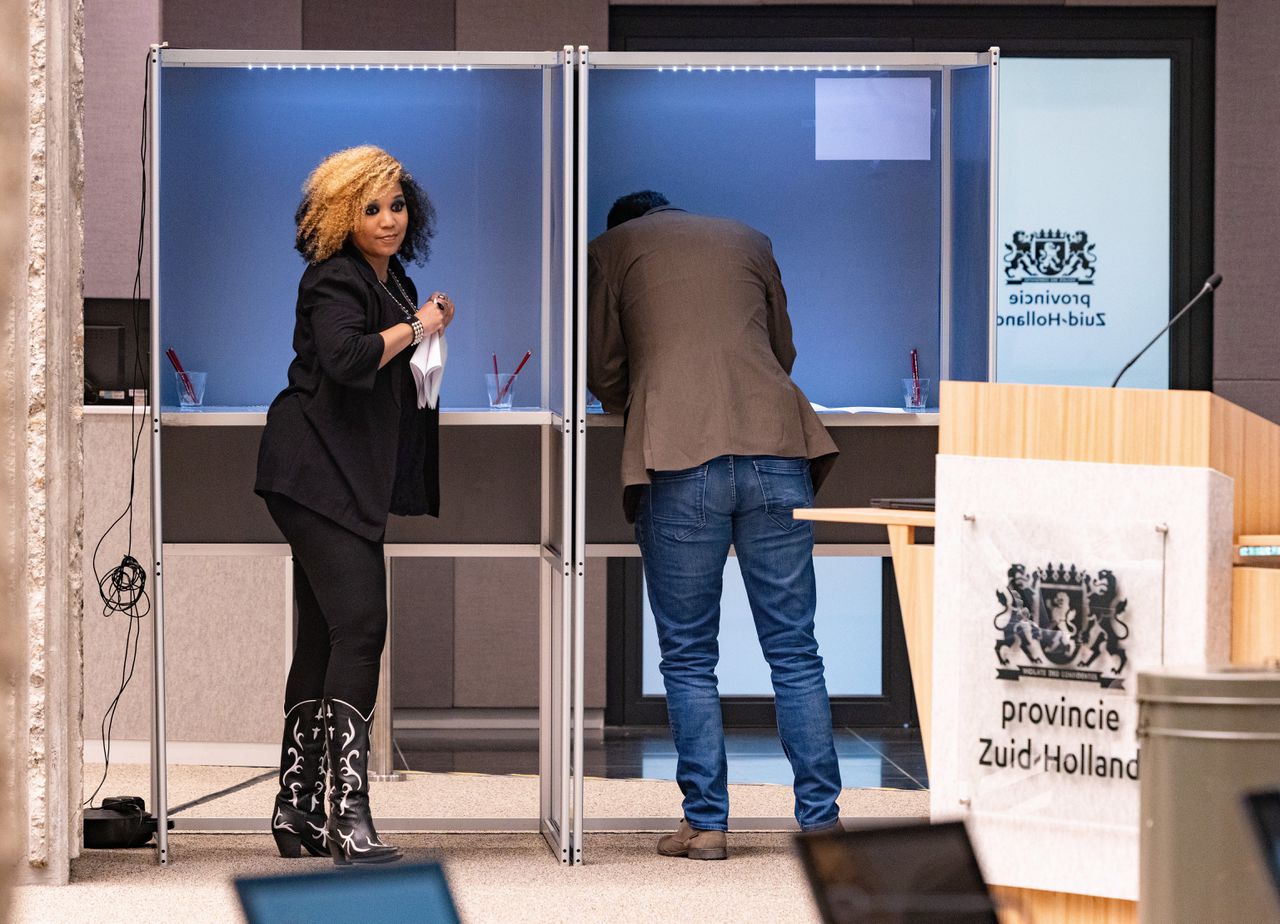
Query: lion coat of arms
{"points": [[1049, 256], [1058, 622]]}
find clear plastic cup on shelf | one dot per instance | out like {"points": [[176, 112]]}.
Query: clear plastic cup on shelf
{"points": [[915, 395], [501, 388], [190, 388]]}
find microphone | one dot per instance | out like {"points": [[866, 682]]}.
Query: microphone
{"points": [[1209, 285]]}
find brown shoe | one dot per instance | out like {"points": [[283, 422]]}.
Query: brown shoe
{"points": [[694, 844]]}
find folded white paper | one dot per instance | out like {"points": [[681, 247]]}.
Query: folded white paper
{"points": [[821, 409], [427, 364]]}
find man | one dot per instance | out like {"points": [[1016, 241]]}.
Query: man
{"points": [[688, 336]]}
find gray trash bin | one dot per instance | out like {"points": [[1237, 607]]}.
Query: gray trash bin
{"points": [[1208, 736]]}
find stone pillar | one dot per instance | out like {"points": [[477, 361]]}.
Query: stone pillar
{"points": [[13, 149], [44, 457]]}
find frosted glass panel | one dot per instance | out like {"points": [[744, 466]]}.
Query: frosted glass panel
{"points": [[1084, 220], [873, 119], [970, 224]]}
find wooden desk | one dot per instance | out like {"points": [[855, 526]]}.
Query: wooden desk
{"points": [[1255, 600], [913, 573]]}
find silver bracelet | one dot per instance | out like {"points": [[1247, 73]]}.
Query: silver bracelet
{"points": [[419, 333]]}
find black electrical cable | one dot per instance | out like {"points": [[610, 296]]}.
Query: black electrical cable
{"points": [[123, 589]]}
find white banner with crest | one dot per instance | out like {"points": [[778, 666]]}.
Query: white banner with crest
{"points": [[1056, 582]]}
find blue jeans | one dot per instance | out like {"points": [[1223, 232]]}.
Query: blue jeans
{"points": [[685, 523]]}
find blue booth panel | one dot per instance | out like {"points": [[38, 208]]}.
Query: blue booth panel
{"points": [[235, 146], [970, 322], [841, 170]]}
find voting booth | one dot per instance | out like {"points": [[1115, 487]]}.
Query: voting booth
{"points": [[234, 134], [873, 174]]}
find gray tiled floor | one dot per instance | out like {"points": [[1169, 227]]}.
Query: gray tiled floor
{"points": [[869, 757]]}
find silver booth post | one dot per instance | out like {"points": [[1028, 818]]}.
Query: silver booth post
{"points": [[1208, 737]]}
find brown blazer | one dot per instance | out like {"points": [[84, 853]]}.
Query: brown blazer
{"points": [[688, 336]]}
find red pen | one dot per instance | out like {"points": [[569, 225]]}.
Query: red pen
{"points": [[182, 374], [915, 377], [503, 391], [496, 373]]}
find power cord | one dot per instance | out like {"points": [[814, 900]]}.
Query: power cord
{"points": [[123, 589]]}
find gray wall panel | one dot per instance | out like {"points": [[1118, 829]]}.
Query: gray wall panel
{"points": [[409, 25], [231, 23], [224, 647], [422, 632], [605, 522], [489, 483], [1247, 201], [116, 38], [596, 636], [208, 486], [107, 447], [1262, 396], [542, 25], [495, 632], [876, 462]]}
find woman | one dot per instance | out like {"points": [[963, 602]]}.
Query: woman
{"points": [[346, 444]]}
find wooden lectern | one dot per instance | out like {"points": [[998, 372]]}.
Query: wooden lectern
{"points": [[1127, 426]]}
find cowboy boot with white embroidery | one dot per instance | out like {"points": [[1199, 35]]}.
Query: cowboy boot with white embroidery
{"points": [[298, 818], [352, 838]]}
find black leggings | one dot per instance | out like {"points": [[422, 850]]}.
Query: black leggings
{"points": [[339, 583]]}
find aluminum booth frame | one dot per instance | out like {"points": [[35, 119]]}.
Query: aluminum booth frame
{"points": [[562, 548], [560, 594]]}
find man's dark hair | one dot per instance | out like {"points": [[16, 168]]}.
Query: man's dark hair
{"points": [[634, 205]]}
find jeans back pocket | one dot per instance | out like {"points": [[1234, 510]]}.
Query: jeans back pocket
{"points": [[676, 502], [786, 485]]}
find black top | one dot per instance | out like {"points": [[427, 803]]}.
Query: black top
{"points": [[345, 438]]}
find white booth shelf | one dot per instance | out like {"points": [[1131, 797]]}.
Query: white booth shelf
{"points": [[449, 417], [487, 417], [829, 419]]}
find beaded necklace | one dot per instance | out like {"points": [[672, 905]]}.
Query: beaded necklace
{"points": [[407, 305]]}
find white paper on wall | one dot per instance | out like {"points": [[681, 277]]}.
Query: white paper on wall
{"points": [[872, 118]]}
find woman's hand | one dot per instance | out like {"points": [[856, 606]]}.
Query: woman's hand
{"points": [[436, 313]]}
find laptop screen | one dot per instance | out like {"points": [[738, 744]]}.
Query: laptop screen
{"points": [[1264, 810], [383, 895], [901, 874]]}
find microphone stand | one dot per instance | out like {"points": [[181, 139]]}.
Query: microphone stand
{"points": [[1210, 284]]}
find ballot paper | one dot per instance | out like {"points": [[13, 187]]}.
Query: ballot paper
{"points": [[821, 409], [427, 364]]}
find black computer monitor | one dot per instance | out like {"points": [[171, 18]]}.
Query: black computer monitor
{"points": [[1263, 809], [370, 895], [916, 873]]}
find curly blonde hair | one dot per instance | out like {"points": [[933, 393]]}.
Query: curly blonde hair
{"points": [[336, 193]]}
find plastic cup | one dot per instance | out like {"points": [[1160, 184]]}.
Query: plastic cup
{"points": [[915, 395], [501, 389], [190, 388]]}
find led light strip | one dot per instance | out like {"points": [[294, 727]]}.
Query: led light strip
{"points": [[774, 68]]}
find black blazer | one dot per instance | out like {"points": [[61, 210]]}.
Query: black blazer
{"points": [[332, 441]]}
